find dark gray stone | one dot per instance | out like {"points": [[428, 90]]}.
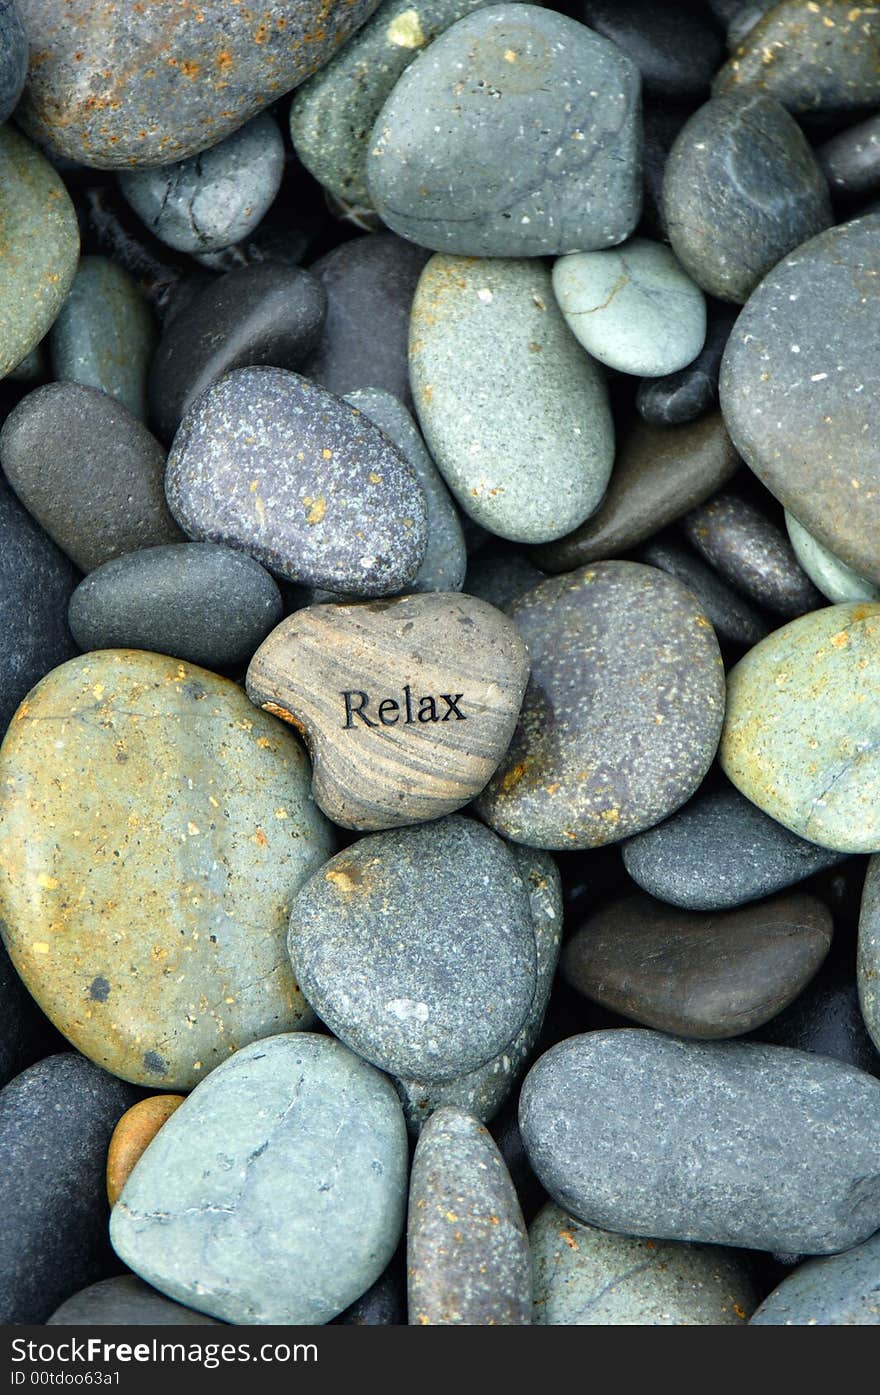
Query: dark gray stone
{"points": [[850, 160], [197, 601], [840, 1291], [661, 126], [13, 57], [104, 336], [501, 577], [675, 49], [869, 951], [826, 1019], [383, 1304], [733, 619], [691, 392], [124, 1301]]}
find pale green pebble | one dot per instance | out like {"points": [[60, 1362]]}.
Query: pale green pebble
{"points": [[105, 336], [834, 578]]}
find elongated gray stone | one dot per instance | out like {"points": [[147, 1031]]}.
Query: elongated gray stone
{"points": [[104, 336], [834, 578]]}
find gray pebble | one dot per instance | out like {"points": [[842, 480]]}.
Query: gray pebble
{"points": [[869, 951], [104, 335], [124, 1301], [834, 578], [826, 1018], [750, 552], [674, 47], [734, 620], [839, 1291], [13, 57], [692, 391], [850, 160]]}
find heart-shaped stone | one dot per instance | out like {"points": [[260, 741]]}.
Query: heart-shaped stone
{"points": [[407, 705]]}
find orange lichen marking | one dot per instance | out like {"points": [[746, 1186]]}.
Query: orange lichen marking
{"points": [[569, 1239], [189, 69], [260, 837], [513, 776]]}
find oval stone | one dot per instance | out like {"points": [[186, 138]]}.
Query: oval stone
{"points": [[735, 621], [749, 551], [154, 828], [104, 335], [124, 1301], [13, 58], [834, 578], [839, 1291]]}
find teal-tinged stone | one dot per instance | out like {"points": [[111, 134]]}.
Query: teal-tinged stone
{"points": [[834, 578], [802, 734], [869, 952], [39, 247], [835, 1291], [276, 1192], [104, 335]]}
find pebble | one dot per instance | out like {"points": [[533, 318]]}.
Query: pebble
{"points": [[89, 472], [132, 1136], [834, 578], [432, 1004], [633, 308], [750, 552], [734, 620], [468, 1261], [515, 415], [584, 1277], [720, 851], [621, 719], [104, 336], [698, 973], [501, 577], [214, 199], [692, 391], [270, 463], [747, 14], [124, 1301], [13, 58], [488, 146], [741, 189], [869, 952], [850, 160], [838, 1291], [660, 473], [676, 50], [186, 814], [122, 88], [303, 1146], [383, 1304], [729, 1143], [56, 1119], [263, 314], [198, 601], [799, 739], [826, 1019], [40, 247]]}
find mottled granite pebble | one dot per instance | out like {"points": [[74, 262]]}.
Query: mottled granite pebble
{"points": [[734, 620], [513, 411], [834, 578], [104, 336], [727, 1142], [13, 57], [850, 160], [869, 952], [468, 1261], [492, 144], [692, 391], [124, 1301], [826, 1019], [271, 463], [501, 577], [838, 1291], [675, 48], [416, 948], [750, 552], [276, 1192], [132, 1136]]}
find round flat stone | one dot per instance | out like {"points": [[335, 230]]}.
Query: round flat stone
{"points": [[692, 391], [124, 1301], [674, 48], [834, 578], [276, 1192], [838, 1291], [869, 952], [13, 58], [750, 552], [186, 814], [734, 620], [729, 1143], [741, 189], [514, 413], [468, 1260], [104, 336], [492, 143], [135, 1131], [800, 737], [431, 1005], [621, 718]]}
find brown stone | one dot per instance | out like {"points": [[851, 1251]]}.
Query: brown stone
{"points": [[135, 1131]]}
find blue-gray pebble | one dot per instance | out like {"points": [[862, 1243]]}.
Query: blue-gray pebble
{"points": [[124, 1301], [104, 335], [13, 57], [838, 1291]]}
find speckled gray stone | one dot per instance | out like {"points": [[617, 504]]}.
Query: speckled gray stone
{"points": [[501, 577], [727, 1142], [584, 1277], [734, 620], [686, 395], [869, 952], [741, 189], [273, 464], [514, 412], [104, 335], [834, 578], [197, 601], [750, 552], [492, 144], [850, 160], [632, 307], [721, 851], [482, 1092], [622, 714], [468, 1261], [213, 199], [13, 57], [276, 1192], [445, 559], [839, 1291], [416, 947], [124, 1301]]}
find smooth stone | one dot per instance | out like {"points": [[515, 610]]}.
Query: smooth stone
{"points": [[621, 718], [492, 143], [432, 1004], [514, 413], [834, 578], [407, 706], [370, 282], [660, 473], [850, 160], [197, 601], [632, 307], [824, 57], [270, 463], [333, 114], [869, 952], [445, 562], [692, 391], [746, 17], [501, 577], [56, 1119], [676, 50], [187, 815], [698, 973], [89, 471], [483, 1092], [124, 1301], [735, 621], [796, 389], [468, 1261], [104, 336], [840, 1291], [729, 1143], [40, 237], [750, 552], [584, 1277], [800, 737], [826, 1019], [13, 58], [133, 1134], [121, 88], [383, 1304], [742, 188], [276, 1192], [214, 199], [720, 851]]}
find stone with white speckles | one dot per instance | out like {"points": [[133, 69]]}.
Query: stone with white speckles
{"points": [[834, 578]]}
